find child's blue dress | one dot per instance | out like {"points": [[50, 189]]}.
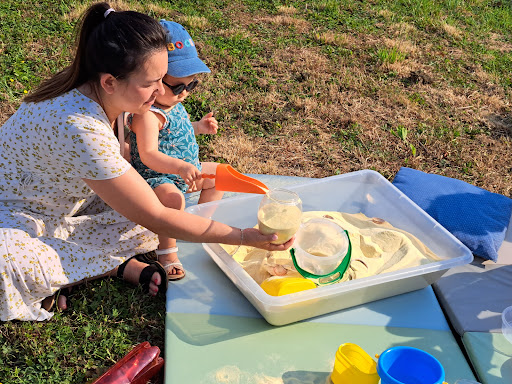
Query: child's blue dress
{"points": [[175, 139]]}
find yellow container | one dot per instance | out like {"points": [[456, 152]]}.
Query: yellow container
{"points": [[279, 286], [354, 365]]}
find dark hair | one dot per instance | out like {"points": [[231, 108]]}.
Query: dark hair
{"points": [[117, 44]]}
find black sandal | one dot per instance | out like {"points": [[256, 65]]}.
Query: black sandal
{"points": [[147, 273]]}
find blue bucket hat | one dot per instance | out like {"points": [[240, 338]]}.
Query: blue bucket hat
{"points": [[181, 52]]}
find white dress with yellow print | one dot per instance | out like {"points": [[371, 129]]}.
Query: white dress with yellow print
{"points": [[53, 229]]}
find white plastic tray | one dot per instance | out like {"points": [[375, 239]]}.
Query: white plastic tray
{"points": [[362, 191]]}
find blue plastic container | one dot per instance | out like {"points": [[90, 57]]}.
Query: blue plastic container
{"points": [[408, 365]]}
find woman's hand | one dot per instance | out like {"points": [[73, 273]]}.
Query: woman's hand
{"points": [[254, 238], [207, 125]]}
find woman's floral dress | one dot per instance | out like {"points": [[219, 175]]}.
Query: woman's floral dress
{"points": [[54, 230]]}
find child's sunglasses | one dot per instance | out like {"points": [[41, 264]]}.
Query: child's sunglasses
{"points": [[177, 89]]}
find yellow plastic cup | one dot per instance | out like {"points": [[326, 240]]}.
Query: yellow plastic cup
{"points": [[279, 286], [354, 365]]}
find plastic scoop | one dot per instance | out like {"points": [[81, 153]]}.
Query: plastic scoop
{"points": [[228, 179]]}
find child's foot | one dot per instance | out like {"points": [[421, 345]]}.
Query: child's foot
{"points": [[169, 260]]}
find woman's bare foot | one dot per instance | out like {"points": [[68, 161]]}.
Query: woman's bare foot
{"points": [[133, 270], [62, 300]]}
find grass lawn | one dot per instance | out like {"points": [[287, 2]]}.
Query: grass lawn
{"points": [[305, 88]]}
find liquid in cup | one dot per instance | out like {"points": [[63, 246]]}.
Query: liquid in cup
{"points": [[280, 212]]}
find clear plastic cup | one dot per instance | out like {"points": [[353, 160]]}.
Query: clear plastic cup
{"points": [[506, 326], [280, 212], [320, 246]]}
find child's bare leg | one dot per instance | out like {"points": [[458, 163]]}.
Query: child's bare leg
{"points": [[170, 196], [208, 192]]}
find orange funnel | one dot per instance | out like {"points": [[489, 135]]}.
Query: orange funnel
{"points": [[228, 179]]}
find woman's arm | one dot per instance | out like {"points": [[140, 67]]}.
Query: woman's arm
{"points": [[132, 197]]}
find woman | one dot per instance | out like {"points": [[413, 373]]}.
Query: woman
{"points": [[60, 163]]}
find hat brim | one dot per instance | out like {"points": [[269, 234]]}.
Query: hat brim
{"points": [[186, 68]]}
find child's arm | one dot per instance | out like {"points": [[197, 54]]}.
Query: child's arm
{"points": [[207, 125], [147, 127]]}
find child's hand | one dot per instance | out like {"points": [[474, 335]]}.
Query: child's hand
{"points": [[208, 125], [189, 173]]}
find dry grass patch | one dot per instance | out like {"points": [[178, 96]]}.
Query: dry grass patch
{"points": [[307, 62], [300, 25], [482, 77], [303, 105], [197, 22], [493, 102], [332, 38], [401, 68], [286, 10], [451, 30], [402, 45], [237, 149], [317, 154], [6, 108], [497, 42], [120, 5], [79, 8], [385, 13], [403, 29], [155, 9], [397, 56], [37, 49], [273, 100], [461, 99]]}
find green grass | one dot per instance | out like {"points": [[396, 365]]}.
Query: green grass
{"points": [[347, 84], [29, 39], [105, 319], [391, 56]]}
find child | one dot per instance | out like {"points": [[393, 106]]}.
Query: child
{"points": [[163, 147]]}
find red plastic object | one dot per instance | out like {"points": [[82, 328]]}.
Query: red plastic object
{"points": [[140, 365]]}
